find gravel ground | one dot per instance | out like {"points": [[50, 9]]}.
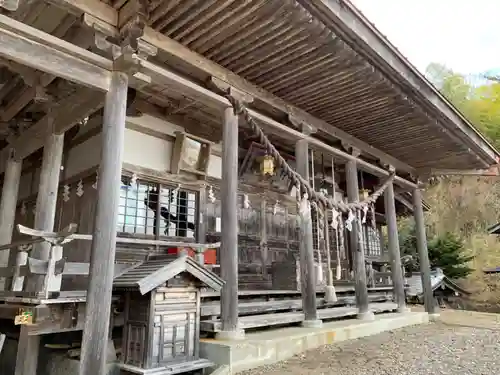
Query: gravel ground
{"points": [[436, 348]]}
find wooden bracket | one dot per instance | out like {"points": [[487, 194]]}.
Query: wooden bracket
{"points": [[389, 167], [304, 127], [226, 88], [354, 151]]}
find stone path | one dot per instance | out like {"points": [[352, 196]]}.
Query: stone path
{"points": [[462, 343]]}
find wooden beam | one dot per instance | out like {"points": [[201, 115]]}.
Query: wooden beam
{"points": [[69, 112], [29, 46], [107, 19]]}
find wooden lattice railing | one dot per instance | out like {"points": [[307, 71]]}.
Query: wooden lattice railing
{"points": [[56, 266]]}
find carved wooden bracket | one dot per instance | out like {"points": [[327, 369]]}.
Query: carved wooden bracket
{"points": [[225, 88]]}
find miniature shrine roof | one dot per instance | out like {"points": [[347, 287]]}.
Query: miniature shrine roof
{"points": [[152, 273], [438, 280]]}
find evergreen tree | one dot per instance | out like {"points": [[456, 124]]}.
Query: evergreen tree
{"points": [[445, 252]]}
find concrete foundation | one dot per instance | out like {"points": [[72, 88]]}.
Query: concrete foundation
{"points": [[271, 346]]}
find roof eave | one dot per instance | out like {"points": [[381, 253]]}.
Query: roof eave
{"points": [[342, 17]]}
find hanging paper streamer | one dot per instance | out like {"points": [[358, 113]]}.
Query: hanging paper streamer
{"points": [[133, 179], [350, 219], [79, 188], [211, 195], [94, 185], [275, 208], [23, 209], [304, 205], [246, 201], [374, 224], [335, 219], [365, 214], [66, 193], [323, 191]]}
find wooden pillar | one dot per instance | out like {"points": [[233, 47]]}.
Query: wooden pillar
{"points": [[263, 236], [28, 348], [8, 204], [306, 252], [102, 257], [229, 225], [46, 201], [393, 245], [356, 246], [423, 254]]}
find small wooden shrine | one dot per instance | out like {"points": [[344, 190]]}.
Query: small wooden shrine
{"points": [[162, 315]]}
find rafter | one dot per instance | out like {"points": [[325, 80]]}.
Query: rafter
{"points": [[105, 18]]}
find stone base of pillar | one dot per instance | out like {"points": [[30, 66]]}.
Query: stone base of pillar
{"points": [[312, 324], [366, 316], [330, 295], [404, 310], [434, 317], [236, 335]]}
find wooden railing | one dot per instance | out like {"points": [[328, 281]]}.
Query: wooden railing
{"points": [[56, 266]]}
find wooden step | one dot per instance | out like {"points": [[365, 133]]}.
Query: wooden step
{"points": [[287, 318], [259, 307]]}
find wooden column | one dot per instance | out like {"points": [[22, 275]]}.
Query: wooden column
{"points": [[306, 251], [393, 245], [229, 226], [46, 200], [263, 236], [28, 348], [102, 257], [8, 204], [356, 246], [423, 254]]}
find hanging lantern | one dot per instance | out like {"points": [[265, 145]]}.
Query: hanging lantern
{"points": [[363, 194], [267, 166]]}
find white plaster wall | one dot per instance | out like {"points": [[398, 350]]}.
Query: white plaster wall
{"points": [[155, 153], [84, 156], [147, 151], [140, 149]]}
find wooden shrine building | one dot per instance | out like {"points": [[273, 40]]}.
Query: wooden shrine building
{"points": [[289, 132]]}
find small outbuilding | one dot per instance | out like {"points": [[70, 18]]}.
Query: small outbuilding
{"points": [[444, 289], [162, 315]]}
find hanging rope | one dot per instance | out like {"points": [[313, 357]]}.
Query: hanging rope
{"points": [[302, 184]]}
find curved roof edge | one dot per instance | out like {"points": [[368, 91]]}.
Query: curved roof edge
{"points": [[343, 18]]}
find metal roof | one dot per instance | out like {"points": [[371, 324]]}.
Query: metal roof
{"points": [[438, 279], [154, 272], [494, 229]]}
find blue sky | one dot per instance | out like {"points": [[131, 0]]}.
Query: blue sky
{"points": [[463, 35]]}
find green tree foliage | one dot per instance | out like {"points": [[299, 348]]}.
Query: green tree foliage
{"points": [[446, 251], [477, 100]]}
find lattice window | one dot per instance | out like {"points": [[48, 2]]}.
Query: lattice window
{"points": [[157, 210]]}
